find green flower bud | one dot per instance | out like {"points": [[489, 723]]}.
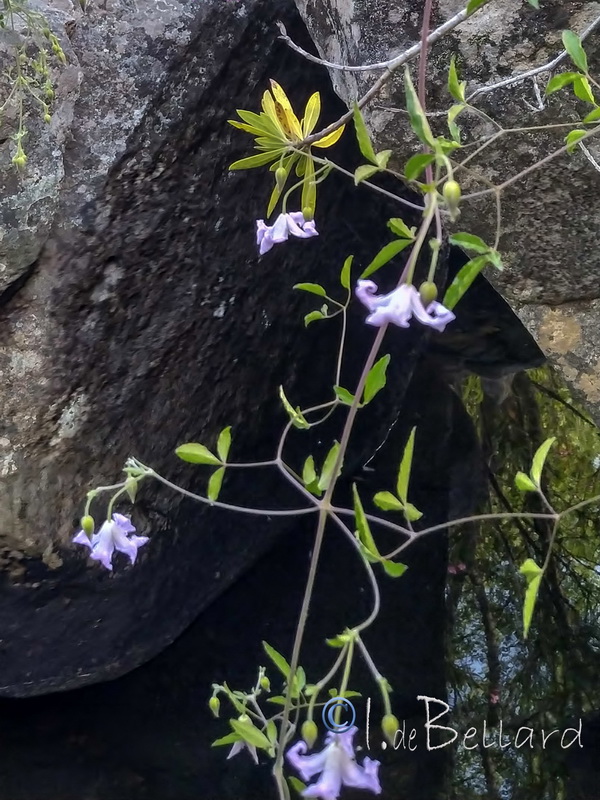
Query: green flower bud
{"points": [[428, 292], [390, 726], [87, 524], [265, 683], [214, 704], [308, 213], [309, 732], [49, 93], [47, 118], [131, 486], [46, 32], [20, 159], [451, 192], [280, 177]]}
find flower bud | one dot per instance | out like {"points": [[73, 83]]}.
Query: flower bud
{"points": [[19, 160], [47, 118], [87, 524], [390, 726], [265, 683], [46, 32], [308, 213], [451, 192], [280, 177], [428, 292], [131, 486], [309, 732], [214, 704]]}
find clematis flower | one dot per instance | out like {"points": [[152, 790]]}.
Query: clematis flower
{"points": [[113, 535], [336, 766], [399, 306], [242, 745], [294, 223]]}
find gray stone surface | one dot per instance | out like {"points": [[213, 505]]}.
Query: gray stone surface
{"points": [[550, 219], [148, 320]]}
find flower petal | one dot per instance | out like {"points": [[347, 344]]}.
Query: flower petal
{"points": [[82, 538]]}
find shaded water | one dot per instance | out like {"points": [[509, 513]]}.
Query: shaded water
{"points": [[147, 736]]}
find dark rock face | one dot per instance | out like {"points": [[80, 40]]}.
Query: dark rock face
{"points": [[155, 325], [147, 735]]}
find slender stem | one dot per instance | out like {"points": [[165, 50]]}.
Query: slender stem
{"points": [[261, 512]]}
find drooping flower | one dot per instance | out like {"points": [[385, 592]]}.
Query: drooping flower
{"points": [[113, 535], [336, 766], [294, 223], [243, 745], [399, 306]]}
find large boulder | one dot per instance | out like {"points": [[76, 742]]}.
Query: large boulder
{"points": [[550, 217], [147, 320]]}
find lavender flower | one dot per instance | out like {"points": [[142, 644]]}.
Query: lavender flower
{"points": [[294, 223], [336, 766], [400, 305], [113, 535]]}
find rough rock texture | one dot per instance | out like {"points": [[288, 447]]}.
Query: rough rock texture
{"points": [[153, 322], [550, 218]]}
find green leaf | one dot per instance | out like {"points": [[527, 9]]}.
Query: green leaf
{"points": [[337, 641], [312, 317], [416, 164], [539, 460], [572, 138], [394, 568], [224, 443], [258, 160], [231, 738], [534, 3], [418, 120], [250, 733], [343, 395], [375, 379], [313, 288], [383, 157], [593, 116], [412, 512], [279, 700], [463, 280], [470, 242], [327, 473], [279, 661], [295, 414], [362, 136], [195, 453], [455, 87], [296, 784], [452, 115], [524, 483], [271, 732], [405, 468], [573, 46], [533, 575], [559, 81], [473, 5], [365, 537], [308, 471], [400, 228], [583, 90], [384, 255], [364, 172], [214, 484], [345, 273], [387, 502]]}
